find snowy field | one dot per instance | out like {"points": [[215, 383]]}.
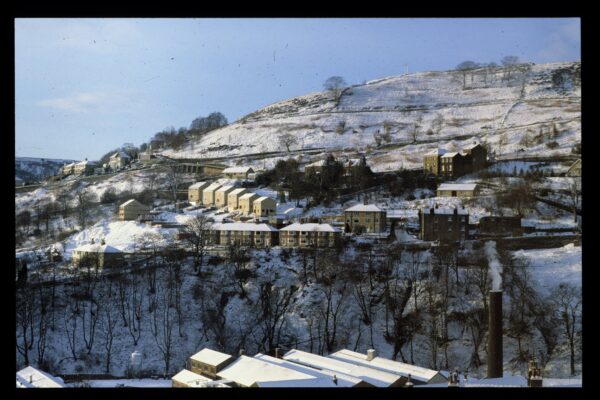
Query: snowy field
{"points": [[550, 267]]}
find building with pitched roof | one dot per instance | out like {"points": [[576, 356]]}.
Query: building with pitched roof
{"points": [[208, 362], [364, 218], [309, 235], [245, 234], [195, 192], [30, 377], [443, 224], [238, 172], [132, 210]]}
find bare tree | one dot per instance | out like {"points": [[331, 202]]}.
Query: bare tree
{"points": [[25, 310], [335, 85], [133, 308], [108, 321], [173, 180], [509, 62], [437, 123], [330, 312], [287, 140], [198, 234], [162, 324], [465, 67], [274, 303], [567, 301], [84, 201]]}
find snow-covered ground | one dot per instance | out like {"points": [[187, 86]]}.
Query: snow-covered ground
{"points": [[550, 267], [495, 113]]}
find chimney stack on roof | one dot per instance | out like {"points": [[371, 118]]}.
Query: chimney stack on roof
{"points": [[371, 354], [92, 241], [276, 352], [408, 383]]}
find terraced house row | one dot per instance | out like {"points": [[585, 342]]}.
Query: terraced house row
{"points": [[264, 235], [235, 199]]}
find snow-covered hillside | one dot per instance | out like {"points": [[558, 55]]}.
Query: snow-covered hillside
{"points": [[523, 113], [34, 169]]}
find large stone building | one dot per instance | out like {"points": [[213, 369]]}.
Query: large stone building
{"points": [[245, 234], [238, 172], [208, 194], [432, 162], [233, 198], [443, 224], [221, 195], [457, 190], [246, 203], [132, 210], [309, 235], [364, 218], [264, 207], [195, 192], [453, 164], [119, 160]]}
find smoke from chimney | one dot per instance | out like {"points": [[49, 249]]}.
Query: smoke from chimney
{"points": [[495, 269]]}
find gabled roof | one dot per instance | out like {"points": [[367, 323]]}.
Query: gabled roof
{"points": [[327, 376], [191, 378], [472, 146], [249, 195], [424, 375], [248, 371], [364, 207], [237, 170], [263, 198], [120, 154], [32, 377], [311, 227], [210, 357], [133, 201], [319, 163], [212, 187], [370, 375], [237, 191], [241, 226], [97, 248], [198, 185], [225, 188], [450, 155], [457, 186]]}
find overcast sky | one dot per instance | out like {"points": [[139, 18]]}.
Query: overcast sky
{"points": [[86, 86]]}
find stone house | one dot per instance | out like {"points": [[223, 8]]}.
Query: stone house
{"points": [[443, 224], [309, 235], [364, 218], [132, 210]]}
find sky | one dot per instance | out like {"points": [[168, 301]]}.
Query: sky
{"points": [[86, 86]]}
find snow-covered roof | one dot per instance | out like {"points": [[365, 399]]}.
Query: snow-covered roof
{"points": [[263, 198], [210, 357], [33, 377], [436, 152], [364, 207], [457, 186], [319, 163], [237, 170], [343, 380], [191, 378], [238, 191], [212, 187], [450, 155], [198, 185], [241, 226], [311, 227], [505, 381], [248, 195], [132, 201], [370, 375], [225, 188], [384, 364], [460, 211], [120, 154], [247, 371], [86, 162], [97, 248]]}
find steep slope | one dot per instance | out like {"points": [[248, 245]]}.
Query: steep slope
{"points": [[497, 106]]}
